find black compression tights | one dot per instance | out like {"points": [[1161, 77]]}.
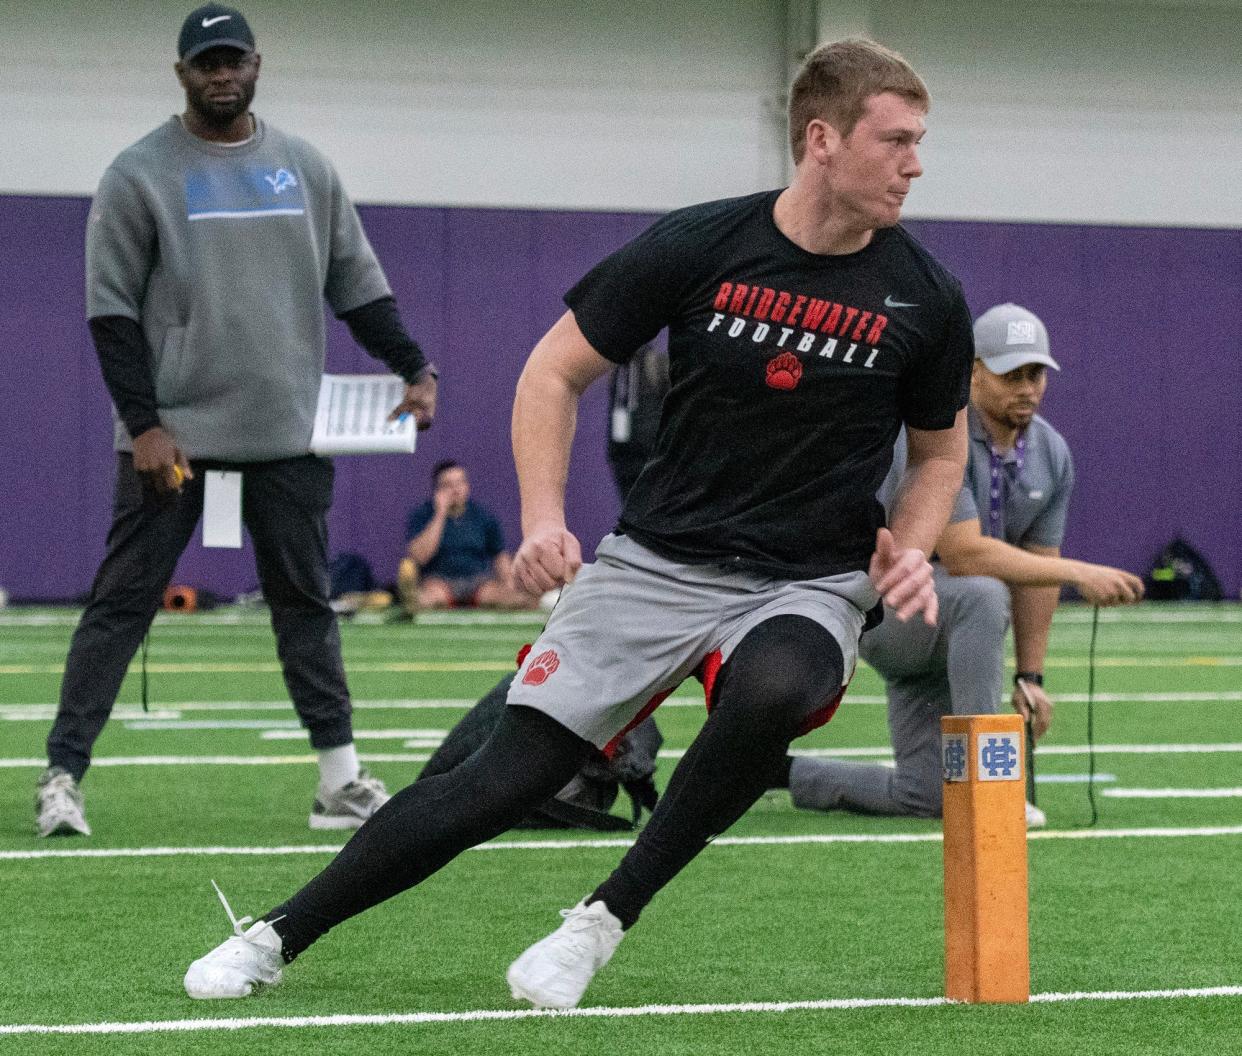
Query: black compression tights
{"points": [[783, 670], [426, 825]]}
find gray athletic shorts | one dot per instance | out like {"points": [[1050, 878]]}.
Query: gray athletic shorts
{"points": [[633, 625]]}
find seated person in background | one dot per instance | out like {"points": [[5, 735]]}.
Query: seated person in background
{"points": [[456, 553]]}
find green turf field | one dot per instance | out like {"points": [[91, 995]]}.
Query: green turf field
{"points": [[802, 943]]}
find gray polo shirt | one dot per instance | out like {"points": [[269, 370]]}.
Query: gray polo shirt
{"points": [[224, 255], [1032, 502]]}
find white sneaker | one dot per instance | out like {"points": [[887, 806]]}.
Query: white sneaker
{"points": [[243, 961], [555, 972], [1035, 818], [59, 807], [349, 807]]}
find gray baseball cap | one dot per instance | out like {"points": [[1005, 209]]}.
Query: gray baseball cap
{"points": [[1008, 337]]}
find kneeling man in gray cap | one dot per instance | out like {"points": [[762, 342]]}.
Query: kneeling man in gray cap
{"points": [[999, 559]]}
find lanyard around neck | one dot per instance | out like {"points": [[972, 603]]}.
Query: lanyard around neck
{"points": [[999, 484]]}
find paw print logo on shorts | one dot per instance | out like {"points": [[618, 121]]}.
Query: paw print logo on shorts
{"points": [[784, 371], [541, 667]]}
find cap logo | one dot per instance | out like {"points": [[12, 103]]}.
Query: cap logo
{"points": [[208, 22], [1021, 333]]}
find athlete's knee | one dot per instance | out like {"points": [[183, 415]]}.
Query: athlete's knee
{"points": [[781, 671]]}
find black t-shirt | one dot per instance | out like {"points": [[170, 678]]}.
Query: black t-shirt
{"points": [[791, 375]]}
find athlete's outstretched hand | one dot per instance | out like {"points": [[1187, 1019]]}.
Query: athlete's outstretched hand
{"points": [[549, 557], [903, 577]]}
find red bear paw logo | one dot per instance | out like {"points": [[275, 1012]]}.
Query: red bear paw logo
{"points": [[540, 668], [784, 372]]}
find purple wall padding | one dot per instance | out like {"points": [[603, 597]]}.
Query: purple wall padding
{"points": [[1142, 320]]}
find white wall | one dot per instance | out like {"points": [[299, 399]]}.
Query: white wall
{"points": [[1093, 112], [568, 103], [1119, 112]]}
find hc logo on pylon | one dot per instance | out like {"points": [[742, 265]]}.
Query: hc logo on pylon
{"points": [[953, 756], [1000, 757]]}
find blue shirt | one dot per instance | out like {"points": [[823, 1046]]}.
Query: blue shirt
{"points": [[469, 545]]}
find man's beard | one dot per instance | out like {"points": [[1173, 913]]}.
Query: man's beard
{"points": [[219, 114], [1019, 419]]}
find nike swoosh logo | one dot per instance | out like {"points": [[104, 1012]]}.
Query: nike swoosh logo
{"points": [[890, 303], [208, 22]]}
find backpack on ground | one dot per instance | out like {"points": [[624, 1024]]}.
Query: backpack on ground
{"points": [[1181, 573]]}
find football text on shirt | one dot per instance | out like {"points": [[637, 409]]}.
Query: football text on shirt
{"points": [[823, 323]]}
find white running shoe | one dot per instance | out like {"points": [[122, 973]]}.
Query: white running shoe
{"points": [[555, 972], [245, 960], [59, 807], [349, 807], [1035, 818]]}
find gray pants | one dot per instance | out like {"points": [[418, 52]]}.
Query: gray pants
{"points": [[284, 506], [956, 667]]}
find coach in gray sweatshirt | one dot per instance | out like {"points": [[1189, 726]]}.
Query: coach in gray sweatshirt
{"points": [[211, 246]]}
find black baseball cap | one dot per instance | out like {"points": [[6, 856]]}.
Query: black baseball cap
{"points": [[214, 26]]}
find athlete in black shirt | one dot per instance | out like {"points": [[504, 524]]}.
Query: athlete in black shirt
{"points": [[805, 328], [791, 372]]}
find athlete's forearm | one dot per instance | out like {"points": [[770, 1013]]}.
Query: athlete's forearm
{"points": [[929, 486], [924, 502], [545, 416]]}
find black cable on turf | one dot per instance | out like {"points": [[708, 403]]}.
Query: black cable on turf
{"points": [[1095, 626]]}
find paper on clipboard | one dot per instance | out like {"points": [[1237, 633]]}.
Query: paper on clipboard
{"points": [[352, 416]]}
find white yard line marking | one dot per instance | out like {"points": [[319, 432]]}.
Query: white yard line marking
{"points": [[815, 839], [843, 1004], [263, 667], [219, 760], [291, 725], [878, 753], [1174, 793], [46, 711], [1074, 779], [363, 735], [173, 709], [1044, 750]]}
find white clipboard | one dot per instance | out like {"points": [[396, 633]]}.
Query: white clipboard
{"points": [[352, 416]]}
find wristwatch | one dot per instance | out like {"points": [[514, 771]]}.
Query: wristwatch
{"points": [[1035, 678]]}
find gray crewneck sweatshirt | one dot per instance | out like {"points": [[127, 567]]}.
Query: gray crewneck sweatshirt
{"points": [[224, 256]]}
